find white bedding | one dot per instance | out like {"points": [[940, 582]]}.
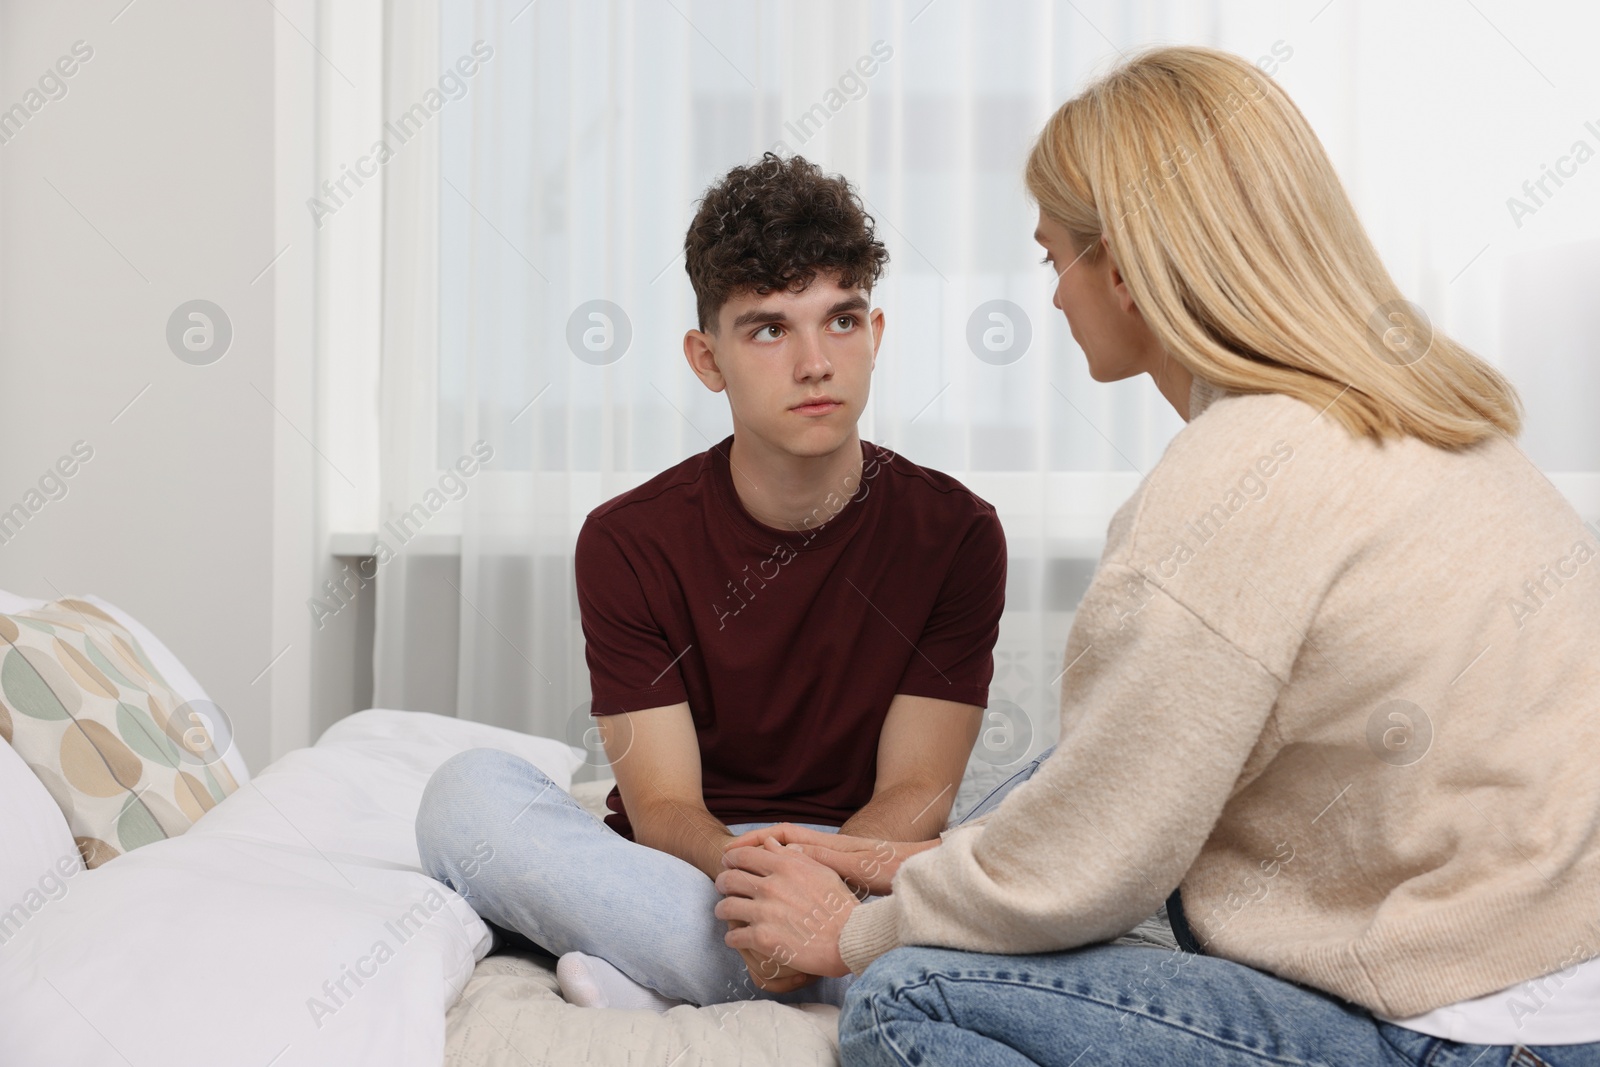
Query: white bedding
{"points": [[228, 945]]}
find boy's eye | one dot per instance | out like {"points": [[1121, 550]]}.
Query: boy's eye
{"points": [[1046, 260], [845, 322], [769, 332]]}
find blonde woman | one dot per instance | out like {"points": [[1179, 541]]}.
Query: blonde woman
{"points": [[1336, 681]]}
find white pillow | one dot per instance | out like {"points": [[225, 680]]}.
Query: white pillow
{"points": [[10, 602], [37, 853], [176, 674], [292, 923]]}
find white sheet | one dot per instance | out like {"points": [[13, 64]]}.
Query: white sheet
{"points": [[37, 854], [215, 947]]}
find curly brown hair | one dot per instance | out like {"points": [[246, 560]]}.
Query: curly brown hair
{"points": [[774, 225]]}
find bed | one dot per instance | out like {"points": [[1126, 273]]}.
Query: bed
{"points": [[291, 925]]}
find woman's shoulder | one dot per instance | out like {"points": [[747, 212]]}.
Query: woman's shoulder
{"points": [[1265, 475], [1232, 435], [1236, 451]]}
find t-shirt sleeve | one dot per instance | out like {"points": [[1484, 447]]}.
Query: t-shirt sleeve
{"points": [[631, 665], [954, 658]]}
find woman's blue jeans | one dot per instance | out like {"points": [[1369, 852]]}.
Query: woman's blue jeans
{"points": [[1110, 1004], [1128, 1005], [529, 859]]}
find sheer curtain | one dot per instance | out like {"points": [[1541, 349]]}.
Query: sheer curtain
{"points": [[535, 297]]}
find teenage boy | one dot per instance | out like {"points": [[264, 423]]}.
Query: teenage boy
{"points": [[792, 626]]}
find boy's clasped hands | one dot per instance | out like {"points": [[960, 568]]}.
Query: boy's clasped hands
{"points": [[787, 892]]}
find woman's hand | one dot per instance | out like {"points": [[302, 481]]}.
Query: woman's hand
{"points": [[866, 864]]}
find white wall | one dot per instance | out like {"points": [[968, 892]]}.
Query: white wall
{"points": [[150, 183]]}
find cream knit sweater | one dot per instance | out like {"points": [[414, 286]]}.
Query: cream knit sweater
{"points": [[1347, 695]]}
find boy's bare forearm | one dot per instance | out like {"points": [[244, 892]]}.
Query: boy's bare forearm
{"points": [[911, 811], [687, 831]]}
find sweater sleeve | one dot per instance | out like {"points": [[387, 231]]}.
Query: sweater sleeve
{"points": [[1159, 715]]}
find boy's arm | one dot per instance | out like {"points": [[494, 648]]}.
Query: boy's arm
{"points": [[926, 740], [643, 711], [922, 754], [656, 759]]}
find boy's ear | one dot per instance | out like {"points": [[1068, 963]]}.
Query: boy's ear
{"points": [[876, 319], [699, 349]]}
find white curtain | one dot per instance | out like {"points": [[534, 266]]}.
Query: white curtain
{"points": [[565, 169]]}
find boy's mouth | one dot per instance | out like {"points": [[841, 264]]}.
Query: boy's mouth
{"points": [[817, 405]]}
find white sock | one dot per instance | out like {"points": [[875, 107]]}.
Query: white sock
{"points": [[591, 982]]}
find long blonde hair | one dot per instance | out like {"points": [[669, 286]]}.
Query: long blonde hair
{"points": [[1244, 254]]}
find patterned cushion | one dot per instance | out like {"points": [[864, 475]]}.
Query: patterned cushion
{"points": [[128, 762]]}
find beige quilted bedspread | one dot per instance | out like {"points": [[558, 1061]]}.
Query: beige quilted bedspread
{"points": [[511, 1014]]}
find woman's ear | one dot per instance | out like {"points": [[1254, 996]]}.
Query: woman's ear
{"points": [[1124, 296], [1119, 284]]}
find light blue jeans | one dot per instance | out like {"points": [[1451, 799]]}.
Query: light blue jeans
{"points": [[529, 859]]}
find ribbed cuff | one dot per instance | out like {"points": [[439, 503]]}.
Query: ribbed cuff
{"points": [[871, 930]]}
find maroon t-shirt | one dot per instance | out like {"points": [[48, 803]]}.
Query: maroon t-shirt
{"points": [[789, 644]]}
